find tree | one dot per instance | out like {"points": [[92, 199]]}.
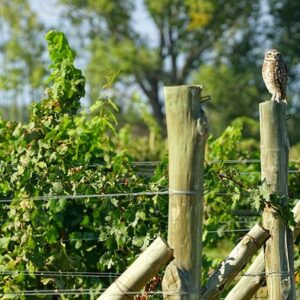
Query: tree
{"points": [[188, 33], [21, 50]]}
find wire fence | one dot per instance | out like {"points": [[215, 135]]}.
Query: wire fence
{"points": [[99, 291], [112, 275]]}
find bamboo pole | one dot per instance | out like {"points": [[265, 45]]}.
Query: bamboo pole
{"points": [[157, 255], [234, 263], [187, 134], [274, 172], [247, 286]]}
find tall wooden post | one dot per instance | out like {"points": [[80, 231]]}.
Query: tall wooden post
{"points": [[274, 171], [187, 134]]}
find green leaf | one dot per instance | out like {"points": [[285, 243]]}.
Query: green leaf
{"points": [[46, 281], [58, 47], [4, 242], [51, 234]]}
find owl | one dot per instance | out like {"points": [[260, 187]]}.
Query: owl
{"points": [[275, 75]]}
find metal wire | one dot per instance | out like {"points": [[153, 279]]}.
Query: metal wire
{"points": [[109, 195], [59, 197], [60, 274], [115, 275], [235, 161], [229, 230], [96, 238], [101, 196], [53, 292], [157, 162], [98, 292]]}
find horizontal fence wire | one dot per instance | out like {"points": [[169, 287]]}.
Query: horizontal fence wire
{"points": [[208, 232], [59, 197], [111, 195], [87, 196], [52, 292], [98, 292], [220, 231], [157, 162], [115, 275], [60, 274]]}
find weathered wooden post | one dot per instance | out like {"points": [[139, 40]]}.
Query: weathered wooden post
{"points": [[157, 255], [234, 263], [249, 284], [274, 172], [187, 134]]}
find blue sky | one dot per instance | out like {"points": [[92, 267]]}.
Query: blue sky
{"points": [[49, 12]]}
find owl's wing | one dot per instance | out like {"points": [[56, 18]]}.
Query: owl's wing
{"points": [[264, 71], [281, 75], [286, 71]]}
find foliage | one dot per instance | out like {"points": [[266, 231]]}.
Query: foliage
{"points": [[59, 153], [139, 122], [225, 184], [224, 84], [68, 84]]}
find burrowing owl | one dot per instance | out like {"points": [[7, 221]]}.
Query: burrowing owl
{"points": [[275, 75]]}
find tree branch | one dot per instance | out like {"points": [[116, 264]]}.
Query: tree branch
{"points": [[152, 94]]}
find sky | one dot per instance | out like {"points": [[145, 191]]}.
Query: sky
{"points": [[49, 12]]}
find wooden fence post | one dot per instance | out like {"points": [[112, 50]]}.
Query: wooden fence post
{"points": [[234, 262], [274, 172], [187, 134], [247, 286], [157, 255]]}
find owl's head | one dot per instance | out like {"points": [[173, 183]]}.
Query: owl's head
{"points": [[273, 55]]}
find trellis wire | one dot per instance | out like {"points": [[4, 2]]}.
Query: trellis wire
{"points": [[60, 274], [53, 292], [86, 196], [157, 162], [115, 275], [109, 195], [209, 231], [59, 197], [98, 292]]}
